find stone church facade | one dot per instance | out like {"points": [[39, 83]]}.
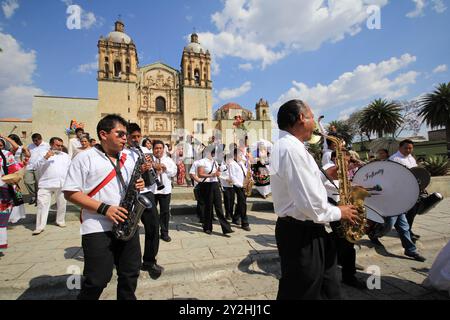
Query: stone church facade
{"points": [[167, 103]]}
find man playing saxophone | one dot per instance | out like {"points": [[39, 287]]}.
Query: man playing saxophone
{"points": [[97, 180], [307, 254]]}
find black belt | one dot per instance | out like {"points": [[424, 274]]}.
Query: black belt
{"points": [[307, 223]]}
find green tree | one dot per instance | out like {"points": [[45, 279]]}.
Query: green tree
{"points": [[435, 110], [343, 130], [381, 117]]}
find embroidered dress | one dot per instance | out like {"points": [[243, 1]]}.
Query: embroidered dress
{"points": [[6, 201]]}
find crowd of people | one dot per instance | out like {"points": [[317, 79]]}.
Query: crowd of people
{"points": [[95, 175]]}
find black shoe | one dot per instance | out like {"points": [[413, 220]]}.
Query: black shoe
{"points": [[236, 222], [417, 256], [246, 228], [414, 236], [153, 269], [376, 241], [208, 231], [228, 218], [227, 232], [166, 238], [355, 283]]}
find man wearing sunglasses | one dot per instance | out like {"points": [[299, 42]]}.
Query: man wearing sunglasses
{"points": [[97, 181]]}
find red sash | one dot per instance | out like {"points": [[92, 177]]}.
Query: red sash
{"points": [[105, 181]]}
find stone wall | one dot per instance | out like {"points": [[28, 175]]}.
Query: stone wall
{"points": [[441, 185]]}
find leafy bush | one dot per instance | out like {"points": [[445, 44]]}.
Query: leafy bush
{"points": [[437, 165]]}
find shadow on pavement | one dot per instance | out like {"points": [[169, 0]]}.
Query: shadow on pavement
{"points": [[49, 288]]}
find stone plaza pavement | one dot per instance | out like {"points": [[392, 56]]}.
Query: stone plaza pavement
{"points": [[212, 267]]}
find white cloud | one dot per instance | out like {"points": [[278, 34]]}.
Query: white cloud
{"points": [[9, 7], [440, 68], [89, 67], [88, 19], [418, 11], [439, 6], [364, 82], [246, 66], [16, 78], [266, 30], [345, 114], [226, 94]]}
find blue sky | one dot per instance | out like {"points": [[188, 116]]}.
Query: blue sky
{"points": [[319, 51]]}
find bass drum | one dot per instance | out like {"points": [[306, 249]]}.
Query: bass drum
{"points": [[423, 177], [397, 187]]}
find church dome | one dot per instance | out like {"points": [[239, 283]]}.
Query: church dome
{"points": [[231, 105], [194, 45], [119, 35]]}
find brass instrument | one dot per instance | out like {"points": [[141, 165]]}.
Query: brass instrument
{"points": [[349, 195], [248, 181]]}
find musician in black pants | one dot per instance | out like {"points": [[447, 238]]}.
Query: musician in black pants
{"points": [[209, 171], [238, 173], [104, 173]]}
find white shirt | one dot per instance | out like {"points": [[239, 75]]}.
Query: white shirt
{"points": [[326, 157], [135, 156], [166, 176], [238, 171], [408, 161], [193, 170], [86, 172], [207, 165], [74, 144], [332, 191], [36, 153], [52, 172], [225, 175], [297, 183]]}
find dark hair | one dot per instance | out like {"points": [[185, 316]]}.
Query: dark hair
{"points": [[144, 142], [15, 138], [78, 130], [36, 136], [289, 113], [384, 150], [110, 122], [406, 141], [92, 139], [52, 140], [133, 127], [333, 154], [158, 142]]}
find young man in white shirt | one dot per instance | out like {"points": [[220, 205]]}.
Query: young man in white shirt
{"points": [[307, 254], [209, 171], [198, 197], [166, 169], [87, 185], [37, 148], [52, 169], [227, 185], [150, 217], [238, 172]]}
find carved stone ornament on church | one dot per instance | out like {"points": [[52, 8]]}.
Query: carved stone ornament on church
{"points": [[161, 124]]}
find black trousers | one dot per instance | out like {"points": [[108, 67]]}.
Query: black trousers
{"points": [[200, 210], [241, 207], [228, 201], [164, 212], [346, 253], [150, 219], [101, 253], [308, 261], [213, 198]]}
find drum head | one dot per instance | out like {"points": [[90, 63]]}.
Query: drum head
{"points": [[423, 177], [400, 189], [374, 216]]}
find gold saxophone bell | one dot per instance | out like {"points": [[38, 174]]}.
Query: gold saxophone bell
{"points": [[316, 135]]}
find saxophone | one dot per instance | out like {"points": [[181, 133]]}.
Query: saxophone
{"points": [[349, 195], [248, 181], [134, 203]]}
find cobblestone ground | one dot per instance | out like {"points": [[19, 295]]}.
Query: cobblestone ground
{"points": [[214, 267]]}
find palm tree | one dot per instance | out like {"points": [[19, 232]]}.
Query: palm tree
{"points": [[435, 110], [381, 117]]}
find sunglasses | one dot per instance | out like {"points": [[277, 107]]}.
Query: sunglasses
{"points": [[120, 134]]}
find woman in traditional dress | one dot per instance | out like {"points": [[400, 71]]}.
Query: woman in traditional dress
{"points": [[181, 170], [261, 174], [7, 166], [85, 145]]}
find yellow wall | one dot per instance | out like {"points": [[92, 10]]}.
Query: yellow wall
{"points": [[113, 98], [52, 115]]}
